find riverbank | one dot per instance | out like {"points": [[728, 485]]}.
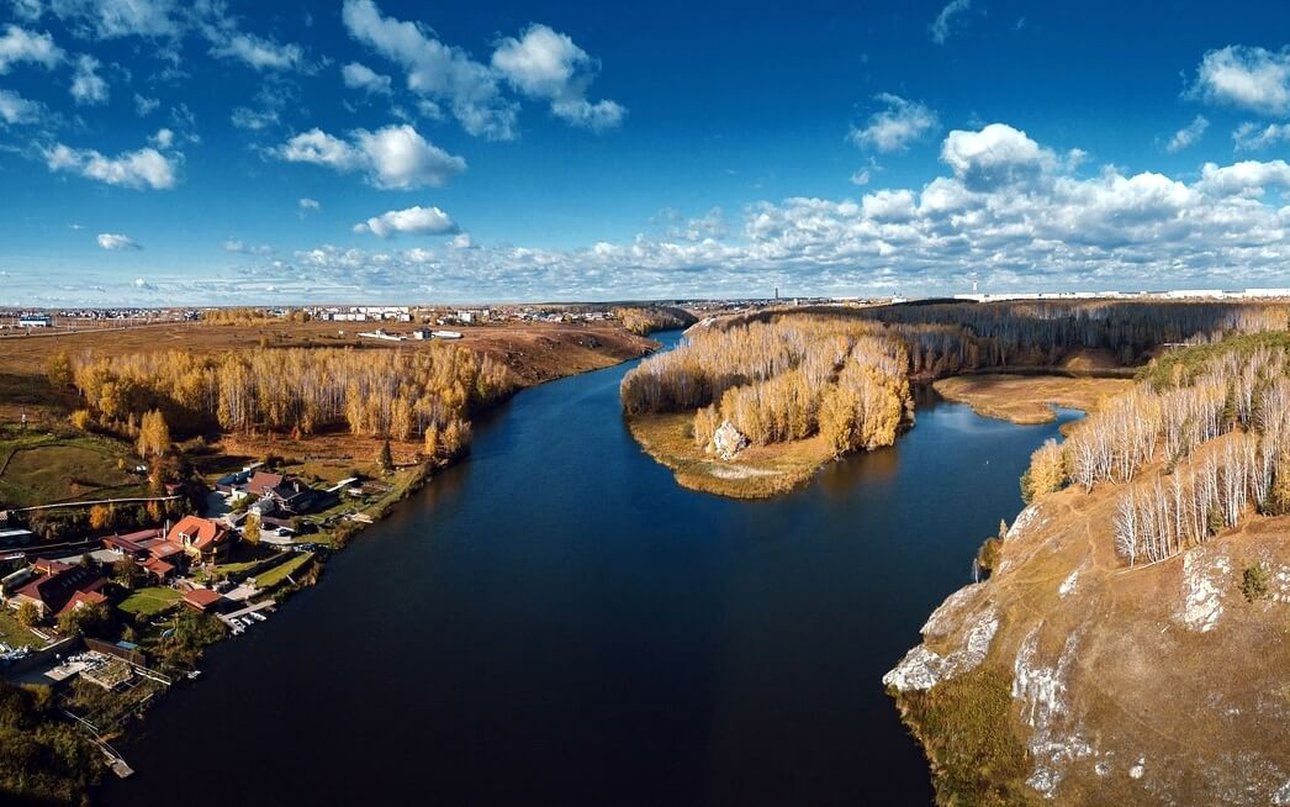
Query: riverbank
{"points": [[60, 462], [765, 471], [1029, 399], [758, 472]]}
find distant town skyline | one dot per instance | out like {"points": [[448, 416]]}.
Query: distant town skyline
{"points": [[372, 151]]}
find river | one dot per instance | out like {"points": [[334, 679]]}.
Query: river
{"points": [[556, 621]]}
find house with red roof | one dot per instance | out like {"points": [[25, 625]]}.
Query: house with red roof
{"points": [[83, 598], [203, 599], [159, 570], [200, 538], [263, 482], [58, 584]]}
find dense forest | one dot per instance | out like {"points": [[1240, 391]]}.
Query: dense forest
{"points": [[949, 337], [43, 759], [784, 380], [399, 394], [1212, 420]]}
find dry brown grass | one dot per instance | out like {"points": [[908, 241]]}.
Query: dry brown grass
{"points": [[535, 352], [759, 472], [1209, 712], [1029, 399]]}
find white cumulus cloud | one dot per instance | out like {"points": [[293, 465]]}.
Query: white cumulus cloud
{"points": [[145, 106], [1189, 135], [395, 157], [1247, 178], [1251, 136], [117, 242], [88, 87], [414, 220], [258, 53], [546, 65], [144, 168], [1251, 78], [361, 77], [894, 128], [15, 109], [253, 120], [110, 19], [436, 70], [994, 156], [20, 45]]}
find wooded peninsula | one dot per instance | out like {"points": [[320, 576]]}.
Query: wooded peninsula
{"points": [[752, 406]]}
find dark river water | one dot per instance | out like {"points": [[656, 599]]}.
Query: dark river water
{"points": [[555, 621]]}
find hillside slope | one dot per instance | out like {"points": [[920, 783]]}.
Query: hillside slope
{"points": [[1072, 677]]}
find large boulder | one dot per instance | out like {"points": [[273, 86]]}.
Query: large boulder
{"points": [[728, 441]]}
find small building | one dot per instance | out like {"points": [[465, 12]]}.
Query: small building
{"points": [[83, 599], [278, 494], [159, 570], [35, 321], [200, 538], [203, 600], [232, 483], [262, 482], [131, 544]]}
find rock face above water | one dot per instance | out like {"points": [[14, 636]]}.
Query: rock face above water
{"points": [[728, 441], [1153, 685]]}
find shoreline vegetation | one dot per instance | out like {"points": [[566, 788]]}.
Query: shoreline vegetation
{"points": [[1028, 399], [196, 401], [768, 402], [772, 397]]}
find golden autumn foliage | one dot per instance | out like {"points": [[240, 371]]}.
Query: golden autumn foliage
{"points": [[58, 370], [387, 393], [1046, 474], [154, 435], [81, 419], [780, 381], [101, 517]]}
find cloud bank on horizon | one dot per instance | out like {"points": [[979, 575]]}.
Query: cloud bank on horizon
{"points": [[364, 152]]}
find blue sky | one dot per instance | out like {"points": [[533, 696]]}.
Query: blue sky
{"points": [[159, 152]]}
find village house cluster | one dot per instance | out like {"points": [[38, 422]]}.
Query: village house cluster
{"points": [[182, 562]]}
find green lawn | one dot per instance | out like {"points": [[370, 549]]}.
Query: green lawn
{"points": [[277, 574], [149, 601], [13, 633], [40, 469]]}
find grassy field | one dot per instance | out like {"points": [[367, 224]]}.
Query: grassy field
{"points": [[38, 468], [13, 633], [759, 472], [278, 574], [966, 725], [1029, 399], [149, 601]]}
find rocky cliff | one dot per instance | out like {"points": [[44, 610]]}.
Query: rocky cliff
{"points": [[1071, 678]]}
